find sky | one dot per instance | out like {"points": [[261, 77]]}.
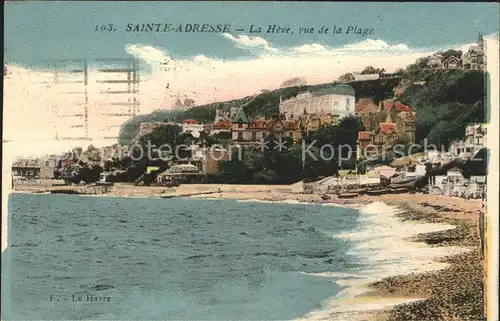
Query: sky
{"points": [[210, 67], [35, 30]]}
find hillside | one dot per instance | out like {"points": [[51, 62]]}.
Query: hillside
{"points": [[264, 104], [445, 101]]}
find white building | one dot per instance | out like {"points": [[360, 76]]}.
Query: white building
{"points": [[417, 170], [192, 127], [224, 116], [461, 150], [435, 61], [363, 77], [385, 171], [474, 57], [475, 139], [454, 184], [475, 136], [337, 101]]}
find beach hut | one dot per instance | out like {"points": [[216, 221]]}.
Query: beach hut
{"points": [[184, 173], [417, 170], [455, 174], [385, 171]]}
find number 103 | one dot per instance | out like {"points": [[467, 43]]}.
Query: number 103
{"points": [[105, 27]]}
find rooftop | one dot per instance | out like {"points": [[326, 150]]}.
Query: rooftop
{"points": [[366, 104], [399, 106], [452, 58], [337, 89], [190, 121], [291, 125], [241, 117], [259, 124], [364, 135], [222, 125], [387, 127]]}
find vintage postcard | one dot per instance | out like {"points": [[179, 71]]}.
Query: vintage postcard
{"points": [[250, 161]]}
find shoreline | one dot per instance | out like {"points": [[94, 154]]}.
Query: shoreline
{"points": [[452, 290]]}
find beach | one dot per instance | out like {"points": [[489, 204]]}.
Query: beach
{"points": [[453, 290], [453, 293]]}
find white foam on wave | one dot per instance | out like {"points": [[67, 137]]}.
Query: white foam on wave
{"points": [[341, 205], [382, 244], [286, 201], [205, 197]]}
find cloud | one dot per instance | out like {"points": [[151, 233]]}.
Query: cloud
{"points": [[147, 53], [368, 46], [201, 59], [311, 48], [243, 41], [365, 47], [375, 45]]}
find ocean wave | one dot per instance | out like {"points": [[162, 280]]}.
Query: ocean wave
{"points": [[381, 243], [287, 201]]}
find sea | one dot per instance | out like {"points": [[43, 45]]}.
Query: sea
{"points": [[73, 257]]}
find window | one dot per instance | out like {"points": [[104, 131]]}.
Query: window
{"points": [[240, 125]]}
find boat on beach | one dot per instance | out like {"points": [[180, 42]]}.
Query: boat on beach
{"points": [[64, 191], [379, 192], [358, 190], [399, 190], [347, 195]]}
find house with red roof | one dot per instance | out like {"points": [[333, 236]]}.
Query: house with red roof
{"points": [[398, 106], [252, 132], [368, 111], [221, 126], [399, 123], [366, 106], [190, 121], [193, 127], [314, 122]]}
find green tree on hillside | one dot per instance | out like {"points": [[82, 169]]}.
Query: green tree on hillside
{"points": [[347, 77], [450, 52], [372, 70], [168, 134], [448, 101]]}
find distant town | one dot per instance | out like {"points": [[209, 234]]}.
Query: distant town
{"points": [[336, 113]]}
